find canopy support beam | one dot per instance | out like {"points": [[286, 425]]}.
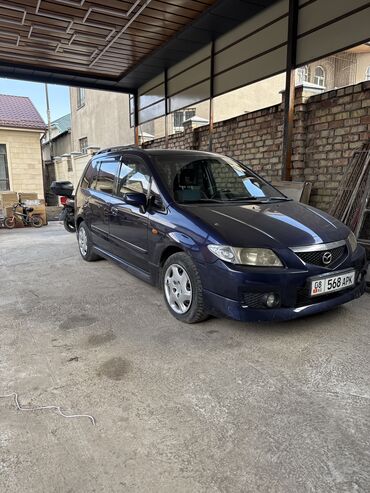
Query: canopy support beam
{"points": [[211, 96], [289, 95]]}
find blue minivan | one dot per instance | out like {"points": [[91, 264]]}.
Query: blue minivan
{"points": [[214, 236]]}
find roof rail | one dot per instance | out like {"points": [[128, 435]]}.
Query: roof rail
{"points": [[117, 148]]}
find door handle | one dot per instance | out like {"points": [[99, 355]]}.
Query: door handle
{"points": [[114, 211]]}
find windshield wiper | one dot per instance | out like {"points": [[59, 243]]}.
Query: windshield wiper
{"points": [[244, 199], [279, 198], [256, 199], [202, 200]]}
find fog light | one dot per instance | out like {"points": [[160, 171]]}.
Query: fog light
{"points": [[271, 300]]}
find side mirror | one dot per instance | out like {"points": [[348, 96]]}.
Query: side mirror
{"points": [[62, 188], [136, 199]]}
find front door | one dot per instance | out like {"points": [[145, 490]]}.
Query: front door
{"points": [[129, 225], [100, 201]]}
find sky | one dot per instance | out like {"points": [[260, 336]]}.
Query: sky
{"points": [[58, 96]]}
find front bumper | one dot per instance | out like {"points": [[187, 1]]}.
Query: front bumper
{"points": [[232, 309], [226, 288]]}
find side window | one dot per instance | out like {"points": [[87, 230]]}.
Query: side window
{"points": [[134, 176], [106, 176]]}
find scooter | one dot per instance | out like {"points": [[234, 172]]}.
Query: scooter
{"points": [[68, 214], [64, 189]]}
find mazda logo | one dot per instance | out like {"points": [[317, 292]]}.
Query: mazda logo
{"points": [[327, 258]]}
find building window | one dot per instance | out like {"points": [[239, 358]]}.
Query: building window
{"points": [[180, 116], [319, 76], [83, 145], [80, 97], [367, 74], [4, 176], [302, 74]]}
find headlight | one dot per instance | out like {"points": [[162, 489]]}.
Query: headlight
{"points": [[352, 240], [261, 257]]}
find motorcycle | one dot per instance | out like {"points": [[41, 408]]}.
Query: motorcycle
{"points": [[68, 214], [64, 189]]}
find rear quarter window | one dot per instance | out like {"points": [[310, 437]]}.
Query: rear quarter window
{"points": [[90, 174]]}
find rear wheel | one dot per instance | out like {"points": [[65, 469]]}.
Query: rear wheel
{"points": [[69, 226], [85, 243], [36, 221], [182, 289], [9, 222]]}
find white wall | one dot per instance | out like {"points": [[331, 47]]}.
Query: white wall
{"points": [[103, 119]]}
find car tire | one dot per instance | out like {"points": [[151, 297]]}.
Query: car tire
{"points": [[85, 244], [182, 289]]}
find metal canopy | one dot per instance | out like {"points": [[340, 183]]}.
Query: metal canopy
{"points": [[170, 54], [277, 39], [112, 45]]}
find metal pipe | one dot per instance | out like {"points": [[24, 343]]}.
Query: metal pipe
{"points": [[166, 108], [211, 94], [49, 122], [136, 119], [289, 98]]}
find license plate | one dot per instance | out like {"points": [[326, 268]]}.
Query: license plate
{"points": [[333, 283]]}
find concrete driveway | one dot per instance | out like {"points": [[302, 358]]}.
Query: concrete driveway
{"points": [[217, 407]]}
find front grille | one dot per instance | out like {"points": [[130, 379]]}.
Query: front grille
{"points": [[316, 257]]}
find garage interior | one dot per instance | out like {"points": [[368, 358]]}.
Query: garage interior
{"points": [[224, 406]]}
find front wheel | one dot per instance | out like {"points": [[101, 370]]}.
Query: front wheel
{"points": [[183, 290], [85, 243], [36, 221], [9, 222]]}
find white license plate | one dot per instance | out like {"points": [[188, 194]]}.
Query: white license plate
{"points": [[333, 283]]}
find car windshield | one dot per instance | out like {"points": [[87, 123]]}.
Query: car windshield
{"points": [[197, 179]]}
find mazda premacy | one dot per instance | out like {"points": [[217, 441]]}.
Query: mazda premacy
{"points": [[214, 236]]}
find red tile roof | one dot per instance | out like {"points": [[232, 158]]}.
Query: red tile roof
{"points": [[19, 112]]}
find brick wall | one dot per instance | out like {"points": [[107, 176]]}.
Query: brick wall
{"points": [[327, 128], [337, 123]]}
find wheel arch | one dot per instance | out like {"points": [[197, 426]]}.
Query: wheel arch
{"points": [[78, 222], [168, 251]]}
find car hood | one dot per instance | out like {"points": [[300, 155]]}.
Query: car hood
{"points": [[279, 224]]}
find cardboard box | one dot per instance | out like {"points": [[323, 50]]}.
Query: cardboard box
{"points": [[7, 199], [39, 209], [28, 196]]}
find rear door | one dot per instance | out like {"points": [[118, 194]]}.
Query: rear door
{"points": [[100, 200], [128, 225]]}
